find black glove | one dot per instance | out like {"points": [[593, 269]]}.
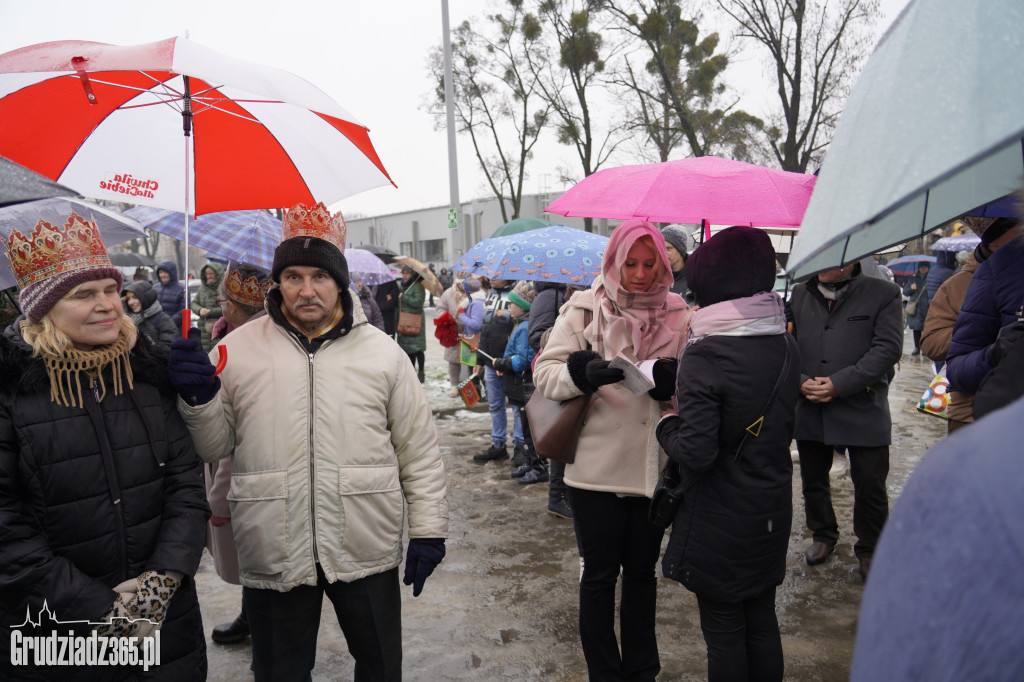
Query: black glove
{"points": [[1008, 336], [664, 372], [599, 373], [422, 557], [190, 370], [502, 365]]}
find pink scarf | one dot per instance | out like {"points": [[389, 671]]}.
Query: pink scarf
{"points": [[638, 324]]}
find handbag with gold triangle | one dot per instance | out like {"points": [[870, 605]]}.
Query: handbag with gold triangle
{"points": [[672, 483]]}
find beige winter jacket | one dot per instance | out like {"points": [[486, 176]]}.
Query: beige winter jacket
{"points": [[618, 450], [329, 449]]}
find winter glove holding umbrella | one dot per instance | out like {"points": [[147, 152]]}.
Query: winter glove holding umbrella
{"points": [[421, 559], [191, 372]]}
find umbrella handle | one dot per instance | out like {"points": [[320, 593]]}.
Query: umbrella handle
{"points": [[222, 358], [186, 322]]}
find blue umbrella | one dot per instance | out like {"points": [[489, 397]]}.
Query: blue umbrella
{"points": [[248, 237], [961, 242], [907, 265], [551, 254]]}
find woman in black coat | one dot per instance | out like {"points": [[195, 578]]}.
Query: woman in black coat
{"points": [[730, 536], [102, 505]]}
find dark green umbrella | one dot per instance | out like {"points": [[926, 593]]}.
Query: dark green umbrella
{"points": [[521, 225]]}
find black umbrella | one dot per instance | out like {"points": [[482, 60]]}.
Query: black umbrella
{"points": [[19, 184], [127, 258], [382, 252]]}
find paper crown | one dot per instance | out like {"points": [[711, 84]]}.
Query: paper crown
{"points": [[302, 221], [249, 291], [56, 250]]}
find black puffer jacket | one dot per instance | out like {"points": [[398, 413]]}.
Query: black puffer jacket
{"points": [[91, 497], [730, 536]]}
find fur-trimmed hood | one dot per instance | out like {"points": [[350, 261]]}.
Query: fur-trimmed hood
{"points": [[20, 373]]}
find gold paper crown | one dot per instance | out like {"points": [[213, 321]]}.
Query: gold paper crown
{"points": [[302, 221], [55, 249], [248, 291]]}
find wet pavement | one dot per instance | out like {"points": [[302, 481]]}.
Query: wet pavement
{"points": [[502, 605]]}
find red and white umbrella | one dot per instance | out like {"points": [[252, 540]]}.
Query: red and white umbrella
{"points": [[176, 125]]}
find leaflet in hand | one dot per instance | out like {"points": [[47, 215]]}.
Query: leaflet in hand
{"points": [[639, 378]]}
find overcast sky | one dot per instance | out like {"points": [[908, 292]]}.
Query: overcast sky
{"points": [[369, 56]]}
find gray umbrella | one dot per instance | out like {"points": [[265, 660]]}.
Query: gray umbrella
{"points": [[932, 130], [18, 184]]}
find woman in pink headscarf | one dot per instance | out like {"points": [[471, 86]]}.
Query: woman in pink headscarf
{"points": [[629, 311]]}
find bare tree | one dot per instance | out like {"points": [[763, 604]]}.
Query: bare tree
{"points": [[679, 93], [815, 48], [496, 101]]}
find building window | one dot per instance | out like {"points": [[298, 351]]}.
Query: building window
{"points": [[405, 248], [433, 251]]}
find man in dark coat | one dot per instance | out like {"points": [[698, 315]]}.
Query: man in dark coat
{"points": [[677, 244], [849, 328], [386, 296], [169, 291]]}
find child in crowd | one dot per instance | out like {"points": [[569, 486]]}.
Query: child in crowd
{"points": [[514, 368]]}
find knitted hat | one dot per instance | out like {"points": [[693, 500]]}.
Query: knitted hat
{"points": [[523, 294], [737, 262], [471, 284], [678, 238], [997, 229], [312, 237], [54, 259]]}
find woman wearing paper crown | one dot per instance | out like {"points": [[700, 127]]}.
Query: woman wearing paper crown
{"points": [[101, 495], [633, 314]]}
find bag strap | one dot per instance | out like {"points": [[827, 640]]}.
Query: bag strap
{"points": [[755, 428]]}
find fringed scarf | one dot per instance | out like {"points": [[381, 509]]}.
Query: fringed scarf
{"points": [[65, 371], [637, 324]]}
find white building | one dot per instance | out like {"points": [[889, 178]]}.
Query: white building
{"points": [[424, 233]]}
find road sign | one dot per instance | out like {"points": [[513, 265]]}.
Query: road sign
{"points": [[453, 219]]}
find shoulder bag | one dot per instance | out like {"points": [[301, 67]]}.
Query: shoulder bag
{"points": [[556, 425], [409, 324], [672, 483]]}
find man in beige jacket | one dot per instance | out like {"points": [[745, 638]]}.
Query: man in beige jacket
{"points": [[333, 440]]}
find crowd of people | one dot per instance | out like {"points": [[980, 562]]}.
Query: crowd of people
{"points": [[308, 462]]}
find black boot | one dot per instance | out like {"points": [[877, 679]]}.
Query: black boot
{"points": [[232, 632], [492, 453], [519, 455], [558, 504]]}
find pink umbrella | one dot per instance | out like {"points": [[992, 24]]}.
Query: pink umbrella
{"points": [[707, 190]]}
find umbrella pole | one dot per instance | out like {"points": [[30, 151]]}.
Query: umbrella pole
{"points": [[186, 125]]}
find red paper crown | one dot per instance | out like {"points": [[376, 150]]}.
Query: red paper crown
{"points": [[248, 291], [51, 249], [302, 221]]}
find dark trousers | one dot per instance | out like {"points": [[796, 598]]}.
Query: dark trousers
{"points": [[869, 467], [743, 639], [614, 534], [284, 627]]}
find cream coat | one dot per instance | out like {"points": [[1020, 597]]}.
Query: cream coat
{"points": [[329, 451], [618, 450]]}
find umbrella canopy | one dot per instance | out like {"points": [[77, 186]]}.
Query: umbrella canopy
{"points": [[382, 252], [551, 254], [18, 184], [521, 225], [705, 190], [429, 278], [107, 120], [367, 267], [962, 242], [114, 228], [929, 133], [129, 259], [907, 265], [248, 237]]}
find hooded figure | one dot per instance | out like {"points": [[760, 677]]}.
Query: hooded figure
{"points": [[170, 293], [204, 306], [148, 315]]}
